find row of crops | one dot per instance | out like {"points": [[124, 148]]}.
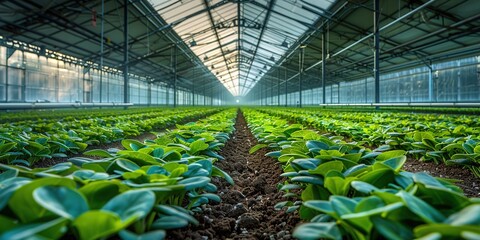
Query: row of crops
{"points": [[138, 192], [56, 134], [345, 190], [449, 139], [344, 171]]}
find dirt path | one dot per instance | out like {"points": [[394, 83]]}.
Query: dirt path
{"points": [[246, 210]]}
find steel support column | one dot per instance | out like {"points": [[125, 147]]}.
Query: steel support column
{"points": [[193, 88], [278, 87], [174, 71], [125, 53], [430, 82], [101, 49], [300, 76], [376, 53], [286, 83], [323, 67]]}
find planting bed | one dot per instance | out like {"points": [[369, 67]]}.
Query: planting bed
{"points": [[286, 175], [247, 208]]}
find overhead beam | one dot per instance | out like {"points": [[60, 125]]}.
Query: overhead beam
{"points": [[212, 22], [265, 22]]}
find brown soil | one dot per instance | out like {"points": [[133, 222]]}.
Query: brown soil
{"points": [[247, 208], [467, 181]]}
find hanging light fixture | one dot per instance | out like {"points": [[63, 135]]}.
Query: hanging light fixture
{"points": [[193, 43], [285, 43]]}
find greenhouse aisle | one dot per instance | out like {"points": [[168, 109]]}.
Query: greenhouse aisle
{"points": [[247, 208]]}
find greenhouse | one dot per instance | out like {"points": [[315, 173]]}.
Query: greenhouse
{"points": [[239, 119]]}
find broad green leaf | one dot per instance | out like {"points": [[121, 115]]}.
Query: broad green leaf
{"points": [[24, 205], [445, 230], [100, 192], [63, 201], [470, 235], [257, 147], [194, 183], [419, 136], [324, 168], [127, 164], [467, 216], [363, 187], [378, 178], [356, 170], [321, 206], [391, 229], [477, 149], [281, 205], [151, 235], [175, 169], [274, 154], [7, 224], [134, 204], [427, 180], [98, 153], [172, 155], [308, 179], [11, 173], [337, 184], [171, 211], [138, 157], [305, 134], [8, 188], [211, 197], [169, 222], [421, 208], [395, 163], [304, 164], [343, 205], [374, 211], [131, 144], [98, 224], [390, 154], [315, 192], [53, 229], [158, 152], [310, 231], [58, 168], [89, 175], [5, 147], [292, 209], [291, 156], [316, 146], [220, 173], [290, 187], [197, 146]]}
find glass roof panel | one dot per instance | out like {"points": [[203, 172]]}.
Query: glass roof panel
{"points": [[240, 48]]}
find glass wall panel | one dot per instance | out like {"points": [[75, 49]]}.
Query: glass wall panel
{"points": [[15, 85], [3, 86]]}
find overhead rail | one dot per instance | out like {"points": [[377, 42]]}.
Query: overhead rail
{"points": [[369, 35], [436, 104], [43, 105]]}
